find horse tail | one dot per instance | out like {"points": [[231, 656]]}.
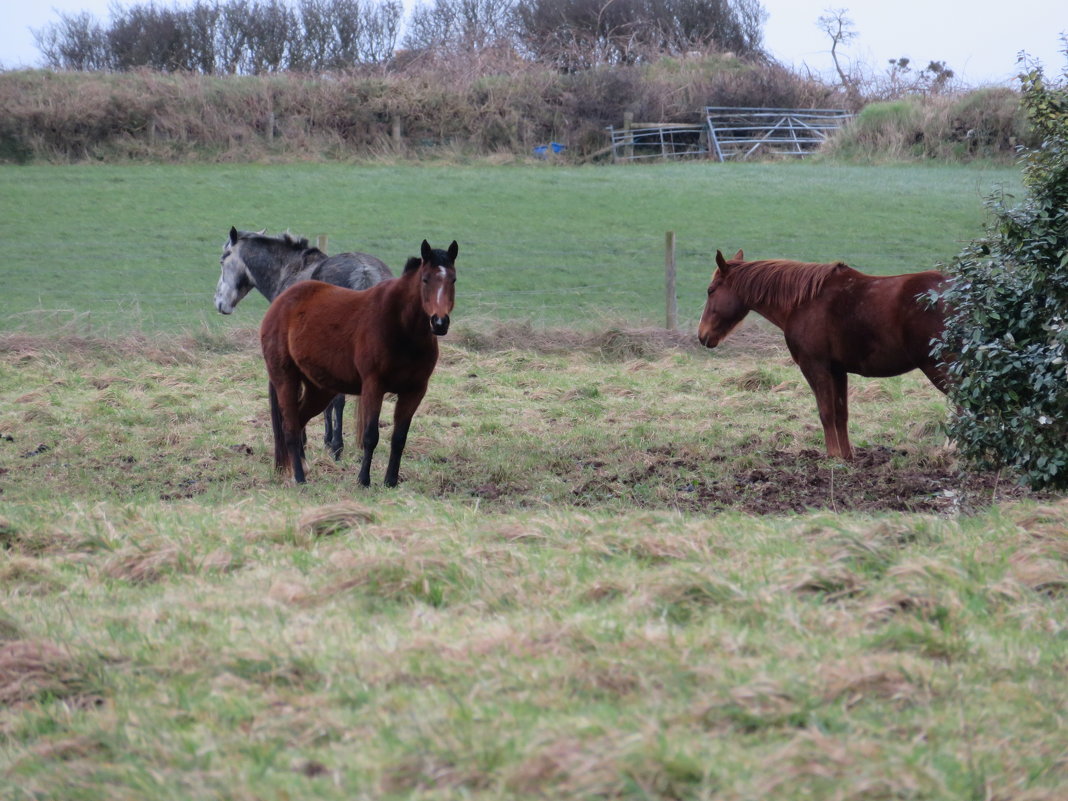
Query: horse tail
{"points": [[276, 427]]}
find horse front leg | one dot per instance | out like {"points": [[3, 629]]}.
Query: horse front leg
{"points": [[841, 415], [369, 411], [832, 400], [402, 420]]}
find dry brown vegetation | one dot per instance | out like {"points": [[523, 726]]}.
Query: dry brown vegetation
{"points": [[482, 103]]}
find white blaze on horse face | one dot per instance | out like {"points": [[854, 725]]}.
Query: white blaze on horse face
{"points": [[441, 289], [233, 284]]}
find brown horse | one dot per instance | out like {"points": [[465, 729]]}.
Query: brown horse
{"points": [[320, 340], [836, 321]]}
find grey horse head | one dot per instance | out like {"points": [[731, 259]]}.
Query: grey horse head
{"points": [[234, 281]]}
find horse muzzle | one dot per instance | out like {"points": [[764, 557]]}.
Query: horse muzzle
{"points": [[224, 308], [439, 325], [708, 339]]}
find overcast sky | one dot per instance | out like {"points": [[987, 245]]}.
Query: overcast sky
{"points": [[978, 39]]}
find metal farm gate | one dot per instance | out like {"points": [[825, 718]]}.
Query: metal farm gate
{"points": [[739, 133], [657, 140]]}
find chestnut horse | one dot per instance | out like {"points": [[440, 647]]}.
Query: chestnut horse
{"points": [[836, 321], [320, 340], [271, 264]]}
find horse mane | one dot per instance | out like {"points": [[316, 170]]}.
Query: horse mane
{"points": [[287, 239], [296, 242], [779, 282], [311, 255], [412, 264]]}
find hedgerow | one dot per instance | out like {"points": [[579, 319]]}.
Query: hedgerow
{"points": [[1007, 333]]}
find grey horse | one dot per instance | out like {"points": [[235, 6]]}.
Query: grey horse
{"points": [[272, 264]]}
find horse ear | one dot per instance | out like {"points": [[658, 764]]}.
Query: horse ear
{"points": [[721, 262], [739, 256], [233, 235], [426, 251], [454, 249]]}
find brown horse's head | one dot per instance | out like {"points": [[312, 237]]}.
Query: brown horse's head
{"points": [[723, 309], [437, 273]]}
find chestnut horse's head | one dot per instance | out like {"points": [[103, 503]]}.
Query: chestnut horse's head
{"points": [[723, 309], [437, 274]]}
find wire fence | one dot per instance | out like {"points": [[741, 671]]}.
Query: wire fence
{"points": [[621, 286]]}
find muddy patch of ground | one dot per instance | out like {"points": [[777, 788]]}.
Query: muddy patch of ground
{"points": [[808, 480], [880, 479]]}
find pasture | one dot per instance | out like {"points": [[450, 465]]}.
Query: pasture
{"points": [[617, 565], [124, 249]]}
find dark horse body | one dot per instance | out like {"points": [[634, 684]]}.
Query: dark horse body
{"points": [[272, 264], [320, 340], [836, 321]]}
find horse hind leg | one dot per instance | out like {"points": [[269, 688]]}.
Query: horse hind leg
{"points": [[313, 401], [334, 417], [937, 374], [277, 429], [288, 433]]}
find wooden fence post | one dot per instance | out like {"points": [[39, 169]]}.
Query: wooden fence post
{"points": [[628, 140], [669, 281], [321, 242]]}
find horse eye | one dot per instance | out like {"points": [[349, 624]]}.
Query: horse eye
{"points": [[710, 290]]}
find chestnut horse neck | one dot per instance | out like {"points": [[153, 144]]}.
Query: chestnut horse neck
{"points": [[775, 287]]}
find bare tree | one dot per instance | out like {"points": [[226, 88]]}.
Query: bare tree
{"points": [[380, 29], [199, 25], [839, 27], [575, 34], [463, 24], [148, 35], [76, 42]]}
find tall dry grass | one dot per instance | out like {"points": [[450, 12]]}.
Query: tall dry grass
{"points": [[481, 103], [983, 124]]}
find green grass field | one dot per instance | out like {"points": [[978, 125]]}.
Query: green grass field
{"points": [[573, 593], [617, 566], [120, 249]]}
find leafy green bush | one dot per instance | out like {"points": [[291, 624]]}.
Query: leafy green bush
{"points": [[1007, 333]]}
